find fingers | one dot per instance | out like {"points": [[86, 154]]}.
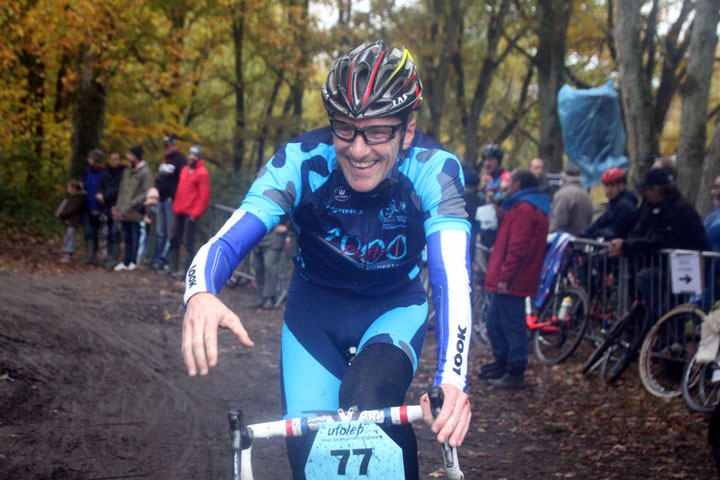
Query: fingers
{"points": [[205, 313], [234, 324], [453, 421], [187, 346]]}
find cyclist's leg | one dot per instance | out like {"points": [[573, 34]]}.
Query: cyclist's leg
{"points": [[314, 345], [308, 389]]}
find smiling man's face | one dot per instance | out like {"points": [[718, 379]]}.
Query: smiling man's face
{"points": [[365, 166]]}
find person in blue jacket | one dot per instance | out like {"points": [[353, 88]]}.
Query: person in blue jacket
{"points": [[366, 194]]}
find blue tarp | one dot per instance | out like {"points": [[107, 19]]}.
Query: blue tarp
{"points": [[592, 130]]}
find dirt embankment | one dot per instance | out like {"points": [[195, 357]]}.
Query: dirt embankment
{"points": [[92, 386]]}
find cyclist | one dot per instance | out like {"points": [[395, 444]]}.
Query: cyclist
{"points": [[365, 194]]}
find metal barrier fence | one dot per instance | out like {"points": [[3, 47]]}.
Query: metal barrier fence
{"points": [[664, 279], [245, 271]]}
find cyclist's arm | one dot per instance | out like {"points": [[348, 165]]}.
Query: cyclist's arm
{"points": [[270, 196], [448, 238]]}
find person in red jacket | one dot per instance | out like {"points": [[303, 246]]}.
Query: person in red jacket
{"points": [[191, 199], [513, 274]]}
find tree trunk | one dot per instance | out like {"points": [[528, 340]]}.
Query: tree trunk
{"points": [[33, 105], [490, 63], [635, 89], [88, 113], [695, 92], [710, 171], [438, 70], [238, 26], [553, 17], [264, 130], [298, 19]]}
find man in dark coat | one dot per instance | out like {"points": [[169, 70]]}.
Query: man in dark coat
{"points": [[513, 274], [619, 218], [107, 196], [665, 220]]}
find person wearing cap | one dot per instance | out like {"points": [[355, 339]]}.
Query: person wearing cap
{"points": [[572, 207], [619, 218], [129, 209], [667, 220], [367, 194], [91, 214], [191, 200], [167, 182]]}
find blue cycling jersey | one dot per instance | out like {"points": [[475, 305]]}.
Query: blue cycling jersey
{"points": [[367, 243]]}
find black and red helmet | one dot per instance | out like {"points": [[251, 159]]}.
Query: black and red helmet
{"points": [[372, 81]]}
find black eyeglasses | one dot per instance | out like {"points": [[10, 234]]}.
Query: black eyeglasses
{"points": [[373, 135]]}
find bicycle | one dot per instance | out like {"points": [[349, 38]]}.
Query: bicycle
{"points": [[623, 340], [701, 385], [348, 445], [561, 325], [668, 346], [480, 297]]}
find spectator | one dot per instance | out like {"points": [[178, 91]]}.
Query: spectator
{"points": [[712, 221], [549, 183], [619, 218], [135, 183], [149, 210], [268, 263], [494, 179], [667, 164], [107, 196], [513, 274], [571, 206], [667, 221], [91, 215], [167, 182], [70, 212], [191, 200]]}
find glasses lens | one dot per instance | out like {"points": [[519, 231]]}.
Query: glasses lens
{"points": [[379, 134], [343, 130]]}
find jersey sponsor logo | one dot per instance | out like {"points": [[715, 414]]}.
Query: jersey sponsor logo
{"points": [[345, 211], [460, 347], [352, 247], [192, 278], [394, 215], [341, 194]]}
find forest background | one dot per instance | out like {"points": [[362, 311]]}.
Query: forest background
{"points": [[241, 77]]}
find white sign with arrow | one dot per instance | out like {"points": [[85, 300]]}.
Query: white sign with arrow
{"points": [[686, 272]]}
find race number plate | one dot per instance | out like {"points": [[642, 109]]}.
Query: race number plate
{"points": [[354, 450]]}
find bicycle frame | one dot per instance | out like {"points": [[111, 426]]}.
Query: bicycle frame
{"points": [[242, 436]]}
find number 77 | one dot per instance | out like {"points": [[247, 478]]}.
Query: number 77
{"points": [[344, 456]]}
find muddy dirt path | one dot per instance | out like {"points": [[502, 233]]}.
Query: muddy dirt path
{"points": [[92, 386]]}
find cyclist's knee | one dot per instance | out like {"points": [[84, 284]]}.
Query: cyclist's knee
{"points": [[378, 377]]}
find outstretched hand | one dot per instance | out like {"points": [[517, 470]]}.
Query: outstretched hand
{"points": [[205, 313], [453, 422]]}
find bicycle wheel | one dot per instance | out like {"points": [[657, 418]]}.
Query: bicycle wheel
{"points": [[562, 336], [625, 348], [701, 385], [480, 304], [668, 346], [612, 336]]}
